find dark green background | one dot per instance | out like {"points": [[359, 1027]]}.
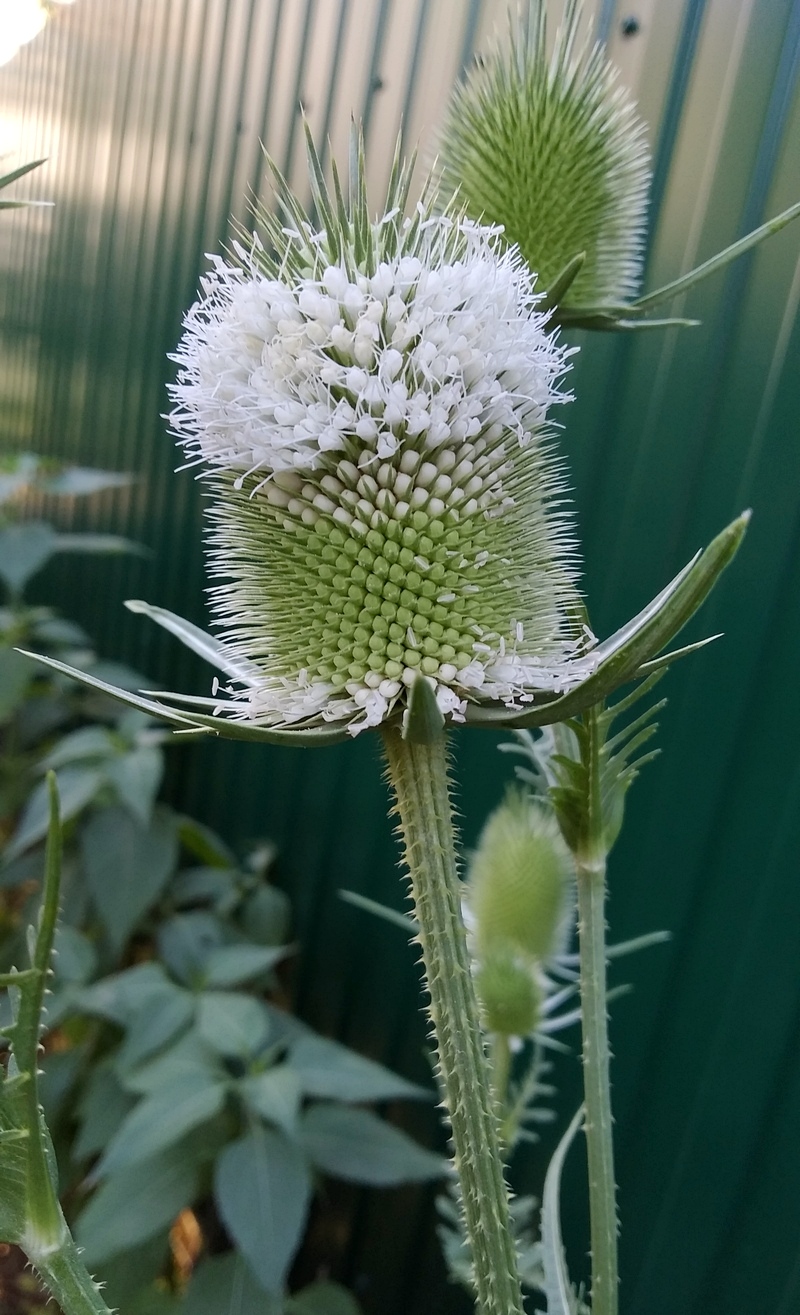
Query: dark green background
{"points": [[151, 111]]}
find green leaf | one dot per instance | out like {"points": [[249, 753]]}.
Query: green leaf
{"points": [[13, 1158], [275, 1096], [79, 481], [331, 1071], [185, 942], [224, 1285], [232, 1024], [262, 1187], [127, 866], [404, 921], [135, 1203], [75, 958], [77, 787], [360, 1148], [204, 844], [160, 1120], [188, 1063], [120, 996], [216, 886], [719, 261], [102, 1107], [323, 1299], [7, 179], [90, 742], [24, 550], [110, 545], [265, 915], [155, 1024], [561, 1299], [15, 676], [136, 777], [230, 965]]}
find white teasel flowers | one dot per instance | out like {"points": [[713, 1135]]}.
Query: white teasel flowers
{"points": [[369, 402]]}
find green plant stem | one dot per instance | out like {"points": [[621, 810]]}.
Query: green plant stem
{"points": [[47, 1241], [68, 1279], [591, 875], [419, 776]]}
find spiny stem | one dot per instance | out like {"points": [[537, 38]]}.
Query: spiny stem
{"points": [[47, 1241], [68, 1279], [419, 777], [590, 863]]}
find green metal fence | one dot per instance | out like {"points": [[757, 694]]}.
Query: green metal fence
{"points": [[152, 112]]}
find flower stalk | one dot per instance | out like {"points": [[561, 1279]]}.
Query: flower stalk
{"points": [[590, 866], [419, 777]]}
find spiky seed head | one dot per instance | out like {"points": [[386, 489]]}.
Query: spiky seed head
{"points": [[550, 146], [369, 400], [521, 879], [509, 994]]}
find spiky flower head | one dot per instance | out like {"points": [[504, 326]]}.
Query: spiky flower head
{"points": [[521, 878], [369, 400], [549, 146]]}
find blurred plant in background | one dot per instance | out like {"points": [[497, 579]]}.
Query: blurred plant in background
{"points": [[190, 1112]]}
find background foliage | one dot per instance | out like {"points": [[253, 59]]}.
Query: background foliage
{"points": [[152, 123]]}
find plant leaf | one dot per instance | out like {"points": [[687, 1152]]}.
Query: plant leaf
{"points": [[136, 777], [230, 965], [332, 1072], [323, 1298], [224, 1285], [262, 1188], [160, 1120], [358, 1147], [137, 1202], [561, 1298], [275, 1096], [77, 787], [107, 544], [232, 1024], [127, 866], [24, 550]]}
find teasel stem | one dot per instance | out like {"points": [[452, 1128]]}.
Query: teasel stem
{"points": [[590, 862], [418, 773], [67, 1278], [46, 1241]]}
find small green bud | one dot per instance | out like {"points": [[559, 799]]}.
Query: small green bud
{"points": [[510, 998], [521, 876]]}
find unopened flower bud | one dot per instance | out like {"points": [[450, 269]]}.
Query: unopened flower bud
{"points": [[509, 995], [521, 879]]}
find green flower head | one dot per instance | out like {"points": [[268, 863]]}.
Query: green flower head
{"points": [[547, 145], [369, 401]]}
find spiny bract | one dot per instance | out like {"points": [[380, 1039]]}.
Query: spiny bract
{"points": [[551, 147], [369, 401]]}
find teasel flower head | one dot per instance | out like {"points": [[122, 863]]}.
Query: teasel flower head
{"points": [[369, 402], [549, 145]]}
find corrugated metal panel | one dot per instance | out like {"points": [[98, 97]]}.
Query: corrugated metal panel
{"points": [[152, 113]]}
